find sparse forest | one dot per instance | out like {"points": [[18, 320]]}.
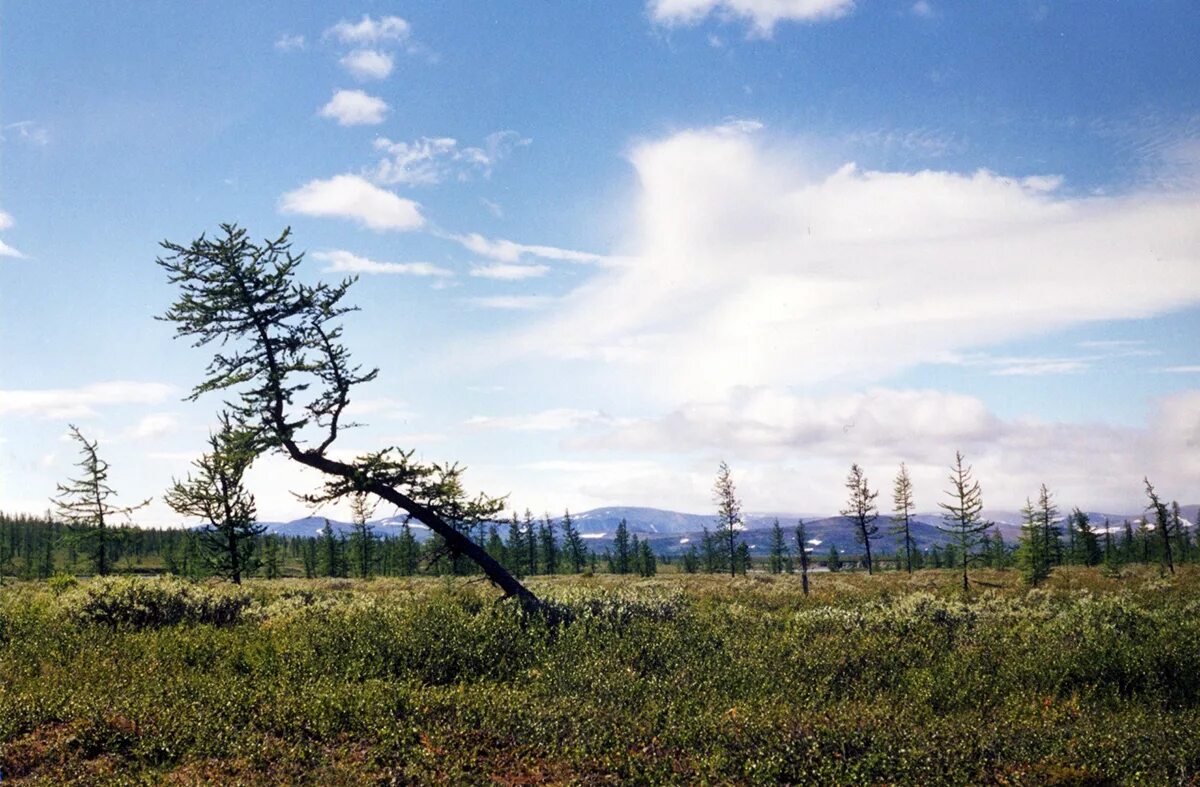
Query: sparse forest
{"points": [[223, 652]]}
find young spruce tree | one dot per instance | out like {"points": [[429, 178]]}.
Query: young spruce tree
{"points": [[729, 514], [777, 561]]}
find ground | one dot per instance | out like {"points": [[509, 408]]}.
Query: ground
{"points": [[676, 679]]}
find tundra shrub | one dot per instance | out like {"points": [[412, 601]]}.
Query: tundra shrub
{"points": [[152, 603]]}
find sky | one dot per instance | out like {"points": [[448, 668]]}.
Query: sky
{"points": [[602, 247]]}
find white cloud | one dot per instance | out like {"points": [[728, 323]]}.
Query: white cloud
{"points": [[345, 262], [791, 451], [745, 268], [369, 30], [1192, 369], [352, 197], [29, 132], [1036, 367], [762, 14], [6, 221], [368, 64], [511, 302], [508, 251], [82, 402], [553, 420], [290, 43], [1112, 344], [154, 425], [503, 271], [922, 8], [355, 108], [431, 160]]}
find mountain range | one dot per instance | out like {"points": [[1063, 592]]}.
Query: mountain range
{"points": [[671, 532]]}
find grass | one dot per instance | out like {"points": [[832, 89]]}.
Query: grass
{"points": [[677, 679]]}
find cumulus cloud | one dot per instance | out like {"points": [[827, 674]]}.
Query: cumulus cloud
{"points": [[750, 267], [341, 261], [353, 197], [431, 160], [369, 30], [355, 108], [81, 402], [763, 15], [503, 271], [771, 433], [368, 64]]}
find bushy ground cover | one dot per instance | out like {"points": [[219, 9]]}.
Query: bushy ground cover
{"points": [[676, 679]]}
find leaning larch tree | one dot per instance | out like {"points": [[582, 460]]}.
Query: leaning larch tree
{"points": [[279, 356]]}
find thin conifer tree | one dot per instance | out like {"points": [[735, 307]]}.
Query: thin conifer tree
{"points": [[962, 516], [861, 511], [84, 504]]}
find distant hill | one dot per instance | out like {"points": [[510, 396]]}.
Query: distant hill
{"points": [[671, 532]]}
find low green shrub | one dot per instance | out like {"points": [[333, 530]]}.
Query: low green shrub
{"points": [[60, 583], [125, 602]]}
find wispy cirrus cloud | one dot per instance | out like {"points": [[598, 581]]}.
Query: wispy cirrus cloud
{"points": [[762, 15], [510, 251], [355, 198], [431, 160], [553, 420], [341, 261], [511, 302], [28, 131], [504, 271], [83, 401], [746, 268], [290, 42]]}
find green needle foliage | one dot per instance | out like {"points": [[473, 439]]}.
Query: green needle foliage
{"points": [[1162, 526], [217, 494], [277, 349], [729, 515], [861, 511], [902, 513], [83, 503], [962, 516]]}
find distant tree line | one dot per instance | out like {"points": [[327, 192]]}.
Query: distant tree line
{"points": [[82, 536]]}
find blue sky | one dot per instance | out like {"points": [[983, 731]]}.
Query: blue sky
{"points": [[603, 246]]}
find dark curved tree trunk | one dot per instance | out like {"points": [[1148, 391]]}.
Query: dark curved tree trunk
{"points": [[455, 540]]}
